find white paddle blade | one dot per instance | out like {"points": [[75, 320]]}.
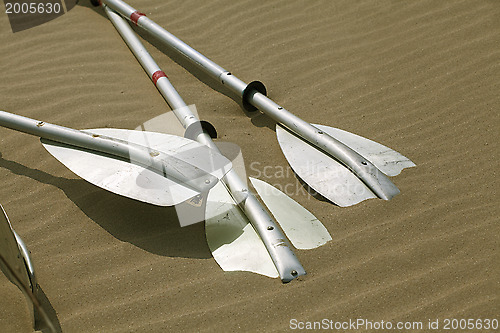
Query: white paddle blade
{"points": [[301, 227], [137, 181], [322, 173], [234, 243], [330, 178], [384, 158]]}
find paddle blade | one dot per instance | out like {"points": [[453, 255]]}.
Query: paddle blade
{"points": [[234, 243], [135, 181], [11, 254], [330, 178], [18, 267], [188, 151], [384, 158], [16, 263], [301, 227], [321, 172]]}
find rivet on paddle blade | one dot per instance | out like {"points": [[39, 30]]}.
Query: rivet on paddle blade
{"points": [[270, 227], [207, 181], [294, 273]]}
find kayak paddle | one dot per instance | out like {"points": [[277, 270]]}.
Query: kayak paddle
{"points": [[343, 167]]}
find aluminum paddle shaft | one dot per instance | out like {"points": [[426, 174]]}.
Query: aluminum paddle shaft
{"points": [[275, 241], [162, 163], [253, 96]]}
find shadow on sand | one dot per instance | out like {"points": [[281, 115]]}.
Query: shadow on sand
{"points": [[152, 228]]}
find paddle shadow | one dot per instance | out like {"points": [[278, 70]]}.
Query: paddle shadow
{"points": [[261, 120], [152, 228]]}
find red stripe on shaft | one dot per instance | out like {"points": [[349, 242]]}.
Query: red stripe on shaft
{"points": [[134, 17], [157, 75]]}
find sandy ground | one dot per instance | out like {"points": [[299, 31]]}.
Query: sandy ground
{"points": [[421, 77]]}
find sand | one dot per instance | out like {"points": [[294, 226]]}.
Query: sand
{"points": [[421, 77]]}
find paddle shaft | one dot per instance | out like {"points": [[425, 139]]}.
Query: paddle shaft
{"points": [[253, 96], [275, 241], [162, 163]]}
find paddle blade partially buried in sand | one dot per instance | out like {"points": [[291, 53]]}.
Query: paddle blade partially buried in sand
{"points": [[332, 179], [231, 238], [301, 227], [136, 180]]}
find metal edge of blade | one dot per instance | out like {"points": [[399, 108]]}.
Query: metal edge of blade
{"points": [[16, 256]]}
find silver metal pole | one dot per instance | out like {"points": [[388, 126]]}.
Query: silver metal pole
{"points": [[162, 163], [253, 96], [209, 67], [277, 244]]}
